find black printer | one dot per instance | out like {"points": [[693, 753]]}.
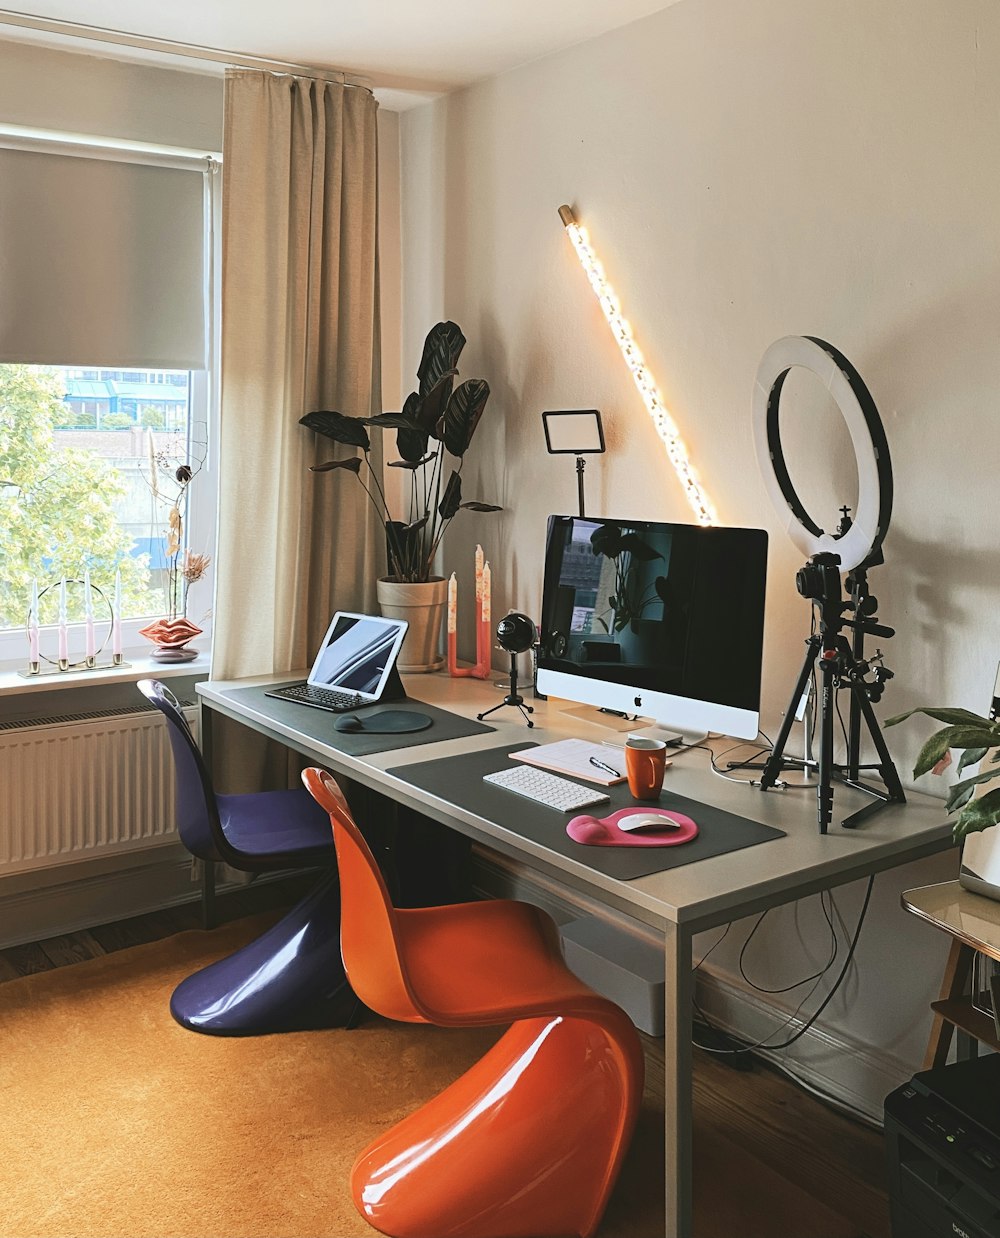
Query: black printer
{"points": [[942, 1133]]}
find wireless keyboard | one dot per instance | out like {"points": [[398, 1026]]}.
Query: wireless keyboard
{"points": [[320, 698], [535, 784]]}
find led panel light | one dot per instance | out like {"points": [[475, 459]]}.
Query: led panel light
{"points": [[665, 425]]}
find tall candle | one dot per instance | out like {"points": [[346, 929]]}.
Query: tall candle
{"points": [[452, 623], [485, 619], [88, 603], [116, 622], [63, 629], [479, 608], [33, 625]]}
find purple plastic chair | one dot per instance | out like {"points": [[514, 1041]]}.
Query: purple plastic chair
{"points": [[292, 977]]}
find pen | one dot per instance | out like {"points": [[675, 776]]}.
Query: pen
{"points": [[607, 768]]}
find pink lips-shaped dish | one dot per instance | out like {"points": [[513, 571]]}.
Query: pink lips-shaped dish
{"points": [[604, 831]]}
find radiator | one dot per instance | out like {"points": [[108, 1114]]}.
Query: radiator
{"points": [[77, 786]]}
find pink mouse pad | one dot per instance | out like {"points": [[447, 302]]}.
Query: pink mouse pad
{"points": [[604, 831]]}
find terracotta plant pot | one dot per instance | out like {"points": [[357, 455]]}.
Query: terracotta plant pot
{"points": [[422, 606]]}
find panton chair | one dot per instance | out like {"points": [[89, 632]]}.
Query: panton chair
{"points": [[529, 1141]]}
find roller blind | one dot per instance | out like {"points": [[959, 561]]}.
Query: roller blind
{"points": [[102, 262]]}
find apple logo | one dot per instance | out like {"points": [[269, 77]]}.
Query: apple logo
{"points": [[638, 701]]}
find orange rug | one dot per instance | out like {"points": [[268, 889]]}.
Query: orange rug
{"points": [[115, 1122]]}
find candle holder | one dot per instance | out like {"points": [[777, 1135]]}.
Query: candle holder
{"points": [[482, 668], [41, 664]]}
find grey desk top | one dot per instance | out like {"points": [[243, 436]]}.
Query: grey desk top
{"points": [[699, 895]]}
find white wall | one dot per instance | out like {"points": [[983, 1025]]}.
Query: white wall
{"points": [[745, 171]]}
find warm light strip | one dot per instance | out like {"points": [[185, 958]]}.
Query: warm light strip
{"points": [[665, 425]]}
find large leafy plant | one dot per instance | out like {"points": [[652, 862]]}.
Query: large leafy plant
{"points": [[437, 420], [975, 736]]}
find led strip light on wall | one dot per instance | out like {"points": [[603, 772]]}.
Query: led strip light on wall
{"points": [[666, 427]]}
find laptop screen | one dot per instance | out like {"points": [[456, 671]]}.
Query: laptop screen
{"points": [[357, 653]]}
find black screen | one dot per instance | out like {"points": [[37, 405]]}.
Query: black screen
{"points": [[670, 608]]}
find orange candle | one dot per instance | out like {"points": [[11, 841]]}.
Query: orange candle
{"points": [[484, 621]]}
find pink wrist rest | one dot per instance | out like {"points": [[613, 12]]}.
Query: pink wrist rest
{"points": [[604, 831]]}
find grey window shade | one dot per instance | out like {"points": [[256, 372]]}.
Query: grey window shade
{"points": [[101, 262]]}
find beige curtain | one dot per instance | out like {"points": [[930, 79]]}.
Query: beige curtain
{"points": [[300, 331]]}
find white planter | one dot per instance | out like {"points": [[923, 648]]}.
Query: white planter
{"points": [[422, 606]]}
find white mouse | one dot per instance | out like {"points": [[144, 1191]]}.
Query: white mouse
{"points": [[646, 821]]}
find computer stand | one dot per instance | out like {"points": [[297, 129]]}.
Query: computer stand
{"points": [[513, 697]]}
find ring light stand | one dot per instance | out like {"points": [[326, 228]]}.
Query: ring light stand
{"points": [[853, 548], [516, 633]]}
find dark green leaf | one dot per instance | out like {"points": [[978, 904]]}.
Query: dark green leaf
{"points": [[451, 500], [409, 464], [970, 756], [950, 737], [473, 506], [954, 717], [416, 525], [662, 588], [393, 421], [411, 443], [341, 429], [442, 348], [639, 549], [961, 792], [433, 404], [462, 415], [979, 814], [352, 464]]}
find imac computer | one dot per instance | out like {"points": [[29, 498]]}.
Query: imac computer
{"points": [[665, 621]]}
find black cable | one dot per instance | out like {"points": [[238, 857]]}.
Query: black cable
{"points": [[834, 950]]}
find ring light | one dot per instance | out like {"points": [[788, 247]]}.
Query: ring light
{"points": [[861, 544]]}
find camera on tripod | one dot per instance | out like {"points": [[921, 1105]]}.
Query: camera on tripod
{"points": [[819, 578]]}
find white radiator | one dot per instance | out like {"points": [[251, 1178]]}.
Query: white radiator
{"points": [[82, 785]]}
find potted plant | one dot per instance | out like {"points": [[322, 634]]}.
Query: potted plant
{"points": [[437, 421], [976, 737]]}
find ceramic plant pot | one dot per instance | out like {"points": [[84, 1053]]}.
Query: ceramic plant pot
{"points": [[170, 636], [422, 606]]}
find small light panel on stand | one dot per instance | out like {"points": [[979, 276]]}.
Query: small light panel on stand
{"points": [[574, 432], [665, 425]]}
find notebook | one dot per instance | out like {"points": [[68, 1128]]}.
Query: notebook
{"points": [[572, 756], [355, 666]]}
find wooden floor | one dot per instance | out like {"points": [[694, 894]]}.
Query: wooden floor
{"points": [[771, 1161]]}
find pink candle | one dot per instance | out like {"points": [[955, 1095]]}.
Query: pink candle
{"points": [[33, 625], [116, 622], [452, 623], [63, 628], [91, 644], [484, 621], [479, 607]]}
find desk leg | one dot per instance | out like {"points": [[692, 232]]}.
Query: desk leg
{"points": [[207, 866], [677, 1053]]}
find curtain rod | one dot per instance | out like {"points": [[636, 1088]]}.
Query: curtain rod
{"points": [[189, 51]]}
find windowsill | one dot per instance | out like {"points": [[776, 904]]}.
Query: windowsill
{"points": [[11, 683]]}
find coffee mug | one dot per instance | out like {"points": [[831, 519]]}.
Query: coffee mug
{"points": [[645, 761]]}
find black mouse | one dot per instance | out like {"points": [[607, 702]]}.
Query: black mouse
{"points": [[349, 722]]}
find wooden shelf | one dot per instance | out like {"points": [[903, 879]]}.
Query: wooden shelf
{"points": [[963, 1015]]}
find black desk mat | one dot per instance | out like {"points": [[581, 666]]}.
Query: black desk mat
{"points": [[459, 780], [320, 723]]}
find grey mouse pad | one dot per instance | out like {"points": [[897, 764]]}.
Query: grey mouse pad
{"points": [[459, 780], [320, 723]]}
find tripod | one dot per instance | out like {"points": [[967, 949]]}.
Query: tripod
{"points": [[513, 697], [842, 664]]}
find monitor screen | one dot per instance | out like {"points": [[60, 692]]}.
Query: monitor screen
{"points": [[661, 620]]}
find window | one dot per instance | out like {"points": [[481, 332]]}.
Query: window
{"points": [[104, 386]]}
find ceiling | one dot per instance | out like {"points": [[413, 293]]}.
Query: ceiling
{"points": [[409, 51]]}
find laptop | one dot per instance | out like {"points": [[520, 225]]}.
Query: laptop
{"points": [[355, 666]]}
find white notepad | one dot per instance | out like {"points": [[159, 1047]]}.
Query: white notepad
{"points": [[572, 756]]}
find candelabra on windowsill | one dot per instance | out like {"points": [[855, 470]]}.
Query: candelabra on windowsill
{"points": [[40, 664]]}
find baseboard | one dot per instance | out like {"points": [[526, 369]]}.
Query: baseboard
{"points": [[851, 1073], [68, 898]]}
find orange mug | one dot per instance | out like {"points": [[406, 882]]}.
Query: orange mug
{"points": [[645, 761]]}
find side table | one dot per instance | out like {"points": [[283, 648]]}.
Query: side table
{"points": [[973, 922]]}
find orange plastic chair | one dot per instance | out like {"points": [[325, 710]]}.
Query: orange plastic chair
{"points": [[529, 1141]]}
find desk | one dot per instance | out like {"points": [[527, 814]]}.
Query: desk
{"points": [[678, 903]]}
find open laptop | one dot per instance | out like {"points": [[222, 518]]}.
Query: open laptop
{"points": [[355, 666]]}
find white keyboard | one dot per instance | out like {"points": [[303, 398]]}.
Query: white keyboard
{"points": [[553, 792]]}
